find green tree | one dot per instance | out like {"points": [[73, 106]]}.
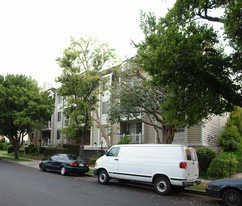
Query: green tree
{"points": [[226, 12], [133, 98], [231, 136], [24, 107], [183, 57], [82, 83]]}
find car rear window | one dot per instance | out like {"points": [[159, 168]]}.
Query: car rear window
{"points": [[188, 153]]}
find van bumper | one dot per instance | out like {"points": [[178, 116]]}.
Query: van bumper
{"points": [[193, 183], [95, 171]]}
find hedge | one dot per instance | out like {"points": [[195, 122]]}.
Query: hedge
{"points": [[51, 151], [223, 166], [10, 149], [72, 148], [5, 145], [205, 157]]}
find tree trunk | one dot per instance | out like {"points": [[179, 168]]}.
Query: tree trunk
{"points": [[16, 149], [158, 136], [101, 129], [81, 150], [168, 134]]}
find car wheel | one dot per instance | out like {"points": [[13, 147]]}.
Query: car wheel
{"points": [[232, 197], [103, 177], [42, 167], [63, 170], [162, 186]]}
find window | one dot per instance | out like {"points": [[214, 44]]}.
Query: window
{"points": [[54, 157], [181, 129], [63, 157], [59, 99], [113, 152], [59, 117], [104, 107], [188, 154], [58, 134]]}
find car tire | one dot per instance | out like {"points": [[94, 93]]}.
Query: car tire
{"points": [[63, 171], [162, 186], [42, 167], [103, 177], [232, 197]]}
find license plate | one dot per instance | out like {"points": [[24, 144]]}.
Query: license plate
{"points": [[81, 165]]}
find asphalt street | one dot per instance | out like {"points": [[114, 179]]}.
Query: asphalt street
{"points": [[26, 186]]}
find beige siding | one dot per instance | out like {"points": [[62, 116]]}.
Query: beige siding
{"points": [[194, 135], [212, 128], [149, 134]]}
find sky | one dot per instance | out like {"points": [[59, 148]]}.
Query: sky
{"points": [[34, 33]]}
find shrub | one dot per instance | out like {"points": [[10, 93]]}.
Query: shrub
{"points": [[42, 150], [205, 157], [5, 145], [125, 140], [1, 146], [2, 140], [32, 148], [223, 166], [10, 149], [51, 151], [72, 148], [231, 136]]}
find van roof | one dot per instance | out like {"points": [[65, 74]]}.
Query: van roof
{"points": [[149, 145]]}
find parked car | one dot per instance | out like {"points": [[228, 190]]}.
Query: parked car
{"points": [[165, 166], [230, 190], [65, 163]]}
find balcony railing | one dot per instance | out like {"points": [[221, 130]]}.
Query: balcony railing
{"points": [[47, 125], [45, 142], [135, 138]]}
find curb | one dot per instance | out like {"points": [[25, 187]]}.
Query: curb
{"points": [[195, 192]]}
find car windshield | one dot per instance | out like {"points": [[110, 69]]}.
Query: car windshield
{"points": [[75, 157]]}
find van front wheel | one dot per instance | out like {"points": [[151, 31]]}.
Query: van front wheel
{"points": [[162, 186], [103, 177]]}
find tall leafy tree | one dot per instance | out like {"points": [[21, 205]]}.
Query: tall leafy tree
{"points": [[183, 57], [133, 98], [82, 83], [24, 107]]}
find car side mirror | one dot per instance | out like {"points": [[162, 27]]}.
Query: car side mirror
{"points": [[106, 153], [50, 158]]}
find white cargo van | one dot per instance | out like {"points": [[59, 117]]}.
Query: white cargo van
{"points": [[161, 164]]}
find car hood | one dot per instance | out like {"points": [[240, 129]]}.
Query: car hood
{"points": [[237, 183]]}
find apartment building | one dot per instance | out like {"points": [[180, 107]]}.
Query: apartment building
{"points": [[204, 134]]}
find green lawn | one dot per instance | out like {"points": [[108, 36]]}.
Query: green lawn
{"points": [[3, 152], [202, 186]]}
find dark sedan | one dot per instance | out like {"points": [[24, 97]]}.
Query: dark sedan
{"points": [[230, 190], [65, 163]]}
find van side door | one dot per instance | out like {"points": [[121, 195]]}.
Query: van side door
{"points": [[111, 161]]}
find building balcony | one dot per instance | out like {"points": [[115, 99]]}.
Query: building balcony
{"points": [[135, 138], [47, 126]]}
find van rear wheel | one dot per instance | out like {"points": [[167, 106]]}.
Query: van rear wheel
{"points": [[162, 186], [103, 177]]}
